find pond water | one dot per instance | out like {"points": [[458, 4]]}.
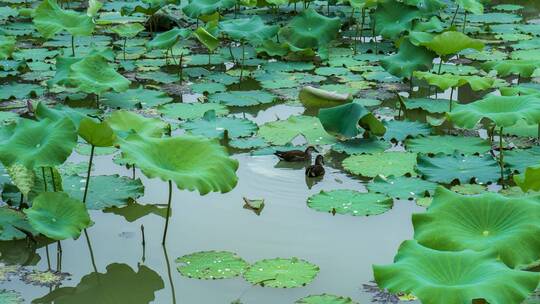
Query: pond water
{"points": [[344, 247]]}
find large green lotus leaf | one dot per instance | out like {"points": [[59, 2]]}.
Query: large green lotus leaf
{"points": [[50, 19], [454, 277], [282, 132], [120, 284], [192, 162], [135, 98], [42, 143], [242, 98], [489, 221], [325, 299], [168, 39], [11, 224], [504, 111], [401, 129], [20, 90], [211, 265], [104, 191], [7, 46], [281, 273], [448, 144], [128, 30], [452, 42], [402, 187], [361, 145], [385, 164], [94, 74], [310, 30], [520, 159], [350, 202], [346, 119], [190, 111], [248, 29], [58, 112], [98, 134], [220, 127], [524, 68], [427, 104], [58, 216], [408, 59], [447, 168], [206, 38], [529, 180], [126, 122], [474, 6], [197, 8], [393, 18], [446, 81]]}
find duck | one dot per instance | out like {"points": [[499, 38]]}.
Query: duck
{"points": [[296, 155], [316, 170]]}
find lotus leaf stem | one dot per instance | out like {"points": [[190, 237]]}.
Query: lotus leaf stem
{"points": [[73, 45], [48, 257], [143, 244], [454, 17], [87, 183], [169, 274], [58, 256], [243, 60], [464, 22], [168, 214], [451, 96], [44, 179], [91, 251], [124, 48], [52, 179], [133, 171], [501, 156]]}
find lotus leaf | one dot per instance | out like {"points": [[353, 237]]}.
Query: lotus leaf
{"points": [[489, 221], [12, 225], [128, 30], [350, 202], [41, 111], [197, 8], [447, 168], [220, 127], [135, 98], [20, 90], [253, 29], [361, 145], [454, 277], [97, 134], [325, 299], [126, 122], [42, 143], [520, 159], [385, 164], [445, 81], [192, 162], [427, 104], [524, 68], [10, 297], [408, 59], [93, 74], [50, 19], [242, 98], [281, 273], [21, 177], [7, 46], [402, 129], [504, 111], [282, 132], [529, 180], [315, 97], [168, 39], [58, 216], [190, 111], [402, 187], [346, 119], [211, 265], [134, 211], [447, 144], [473, 6], [393, 18], [206, 38]]}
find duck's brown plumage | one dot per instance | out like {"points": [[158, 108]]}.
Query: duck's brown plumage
{"points": [[316, 170], [295, 155]]}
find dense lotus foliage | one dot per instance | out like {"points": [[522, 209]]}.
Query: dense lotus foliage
{"points": [[427, 102]]}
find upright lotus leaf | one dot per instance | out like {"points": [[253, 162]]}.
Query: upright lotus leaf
{"points": [[325, 299], [319, 98], [7, 46], [93, 7], [504, 111], [58, 216], [448, 144], [523, 68], [350, 202], [473, 6], [529, 180], [346, 119], [22, 177], [128, 30], [393, 18], [168, 39], [50, 19], [489, 221], [94, 74], [408, 59], [454, 277], [384, 163], [281, 273], [126, 122], [282, 132], [211, 265], [251, 29], [447, 168], [220, 127], [191, 162], [362, 4], [197, 8], [12, 225], [310, 30], [206, 38], [97, 134], [445, 81], [42, 143], [59, 111], [452, 42]]}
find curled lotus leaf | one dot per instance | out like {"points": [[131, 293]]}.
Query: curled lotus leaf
{"points": [[408, 59], [58, 216], [126, 122], [350, 202], [211, 265], [315, 97], [454, 277], [349, 120], [504, 111], [281, 273], [489, 221], [50, 19], [191, 162], [97, 134], [529, 180], [393, 18], [197, 8], [44, 143], [168, 39]]}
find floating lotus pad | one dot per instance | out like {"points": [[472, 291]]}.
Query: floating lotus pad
{"points": [[402, 187], [402, 129], [211, 265], [282, 132], [447, 168], [281, 273], [325, 299], [350, 202], [190, 111], [385, 163], [454, 277], [218, 127], [447, 144]]}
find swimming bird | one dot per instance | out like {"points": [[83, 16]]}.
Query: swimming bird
{"points": [[296, 155], [316, 170]]}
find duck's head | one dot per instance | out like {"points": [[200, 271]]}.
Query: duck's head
{"points": [[319, 160], [311, 149]]}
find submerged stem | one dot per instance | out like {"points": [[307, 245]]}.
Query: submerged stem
{"points": [[169, 274], [91, 251], [168, 214], [88, 174]]}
